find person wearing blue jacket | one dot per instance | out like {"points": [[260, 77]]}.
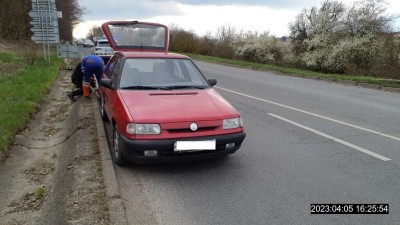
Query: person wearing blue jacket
{"points": [[91, 65]]}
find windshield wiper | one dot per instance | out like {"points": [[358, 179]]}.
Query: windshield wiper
{"points": [[139, 87]]}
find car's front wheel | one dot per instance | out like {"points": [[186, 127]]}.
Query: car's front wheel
{"points": [[119, 158]]}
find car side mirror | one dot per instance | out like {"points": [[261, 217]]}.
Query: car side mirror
{"points": [[107, 83], [212, 82]]}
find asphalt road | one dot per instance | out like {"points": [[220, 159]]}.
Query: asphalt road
{"points": [[307, 142]]}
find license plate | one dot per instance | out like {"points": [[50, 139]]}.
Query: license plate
{"points": [[194, 145]]}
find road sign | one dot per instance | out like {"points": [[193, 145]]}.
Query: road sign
{"points": [[41, 40], [45, 24], [68, 51], [43, 13]]}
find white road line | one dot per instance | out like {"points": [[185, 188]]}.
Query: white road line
{"points": [[316, 115], [383, 158]]}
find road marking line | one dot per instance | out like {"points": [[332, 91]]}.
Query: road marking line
{"points": [[383, 158], [316, 115]]}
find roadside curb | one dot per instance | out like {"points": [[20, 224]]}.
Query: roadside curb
{"points": [[391, 89], [115, 203], [370, 86]]}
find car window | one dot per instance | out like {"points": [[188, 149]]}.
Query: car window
{"points": [[143, 36], [110, 66], [163, 73], [115, 71], [187, 70], [103, 44]]}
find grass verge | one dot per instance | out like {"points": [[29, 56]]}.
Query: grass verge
{"points": [[298, 72], [22, 88]]}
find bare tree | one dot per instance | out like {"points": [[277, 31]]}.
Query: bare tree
{"points": [[183, 41], [94, 32], [72, 13], [225, 38], [14, 19], [207, 44]]}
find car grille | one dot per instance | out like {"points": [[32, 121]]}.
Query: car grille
{"points": [[187, 130], [107, 54]]}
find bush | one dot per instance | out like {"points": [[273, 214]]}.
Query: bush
{"points": [[265, 49]]}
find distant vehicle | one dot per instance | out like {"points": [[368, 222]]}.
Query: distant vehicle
{"points": [[79, 41], [102, 48], [87, 43], [160, 105]]}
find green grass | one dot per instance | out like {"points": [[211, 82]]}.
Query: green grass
{"points": [[297, 72], [40, 193], [8, 57], [21, 91]]}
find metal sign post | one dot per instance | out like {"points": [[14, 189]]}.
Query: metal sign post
{"points": [[45, 24]]}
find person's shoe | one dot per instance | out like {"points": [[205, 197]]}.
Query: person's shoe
{"points": [[71, 97]]}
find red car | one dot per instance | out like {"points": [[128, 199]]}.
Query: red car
{"points": [[161, 106]]}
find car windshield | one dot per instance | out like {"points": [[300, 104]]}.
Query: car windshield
{"points": [[163, 74], [103, 44]]}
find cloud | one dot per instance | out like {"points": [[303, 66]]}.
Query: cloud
{"points": [[270, 3], [148, 8], [208, 18], [123, 9], [203, 19], [202, 16]]}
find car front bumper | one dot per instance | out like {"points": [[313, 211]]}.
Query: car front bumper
{"points": [[133, 150]]}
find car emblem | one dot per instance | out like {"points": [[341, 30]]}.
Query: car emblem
{"points": [[193, 127]]}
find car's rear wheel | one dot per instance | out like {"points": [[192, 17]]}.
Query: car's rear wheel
{"points": [[103, 113], [119, 158]]}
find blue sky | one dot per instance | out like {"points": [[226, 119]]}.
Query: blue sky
{"points": [[202, 16]]}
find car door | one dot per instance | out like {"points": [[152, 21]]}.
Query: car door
{"points": [[112, 72]]}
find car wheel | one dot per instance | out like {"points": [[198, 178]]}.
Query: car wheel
{"points": [[103, 113], [119, 158]]}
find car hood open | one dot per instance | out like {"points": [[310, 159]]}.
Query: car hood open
{"points": [[176, 106]]}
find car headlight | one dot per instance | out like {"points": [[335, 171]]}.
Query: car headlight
{"points": [[133, 128], [232, 123]]}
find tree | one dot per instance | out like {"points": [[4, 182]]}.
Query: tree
{"points": [[225, 38], [207, 44], [14, 19], [182, 41], [72, 13], [354, 40], [367, 17], [94, 32], [316, 21]]}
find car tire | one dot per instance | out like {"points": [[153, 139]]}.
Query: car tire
{"points": [[119, 158], [103, 112]]}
